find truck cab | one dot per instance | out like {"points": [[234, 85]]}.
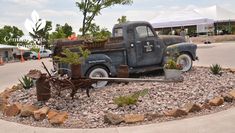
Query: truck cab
{"points": [[143, 46]]}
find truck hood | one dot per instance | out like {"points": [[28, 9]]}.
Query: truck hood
{"points": [[170, 40]]}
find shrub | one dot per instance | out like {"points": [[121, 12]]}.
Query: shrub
{"points": [[216, 69], [171, 64], [72, 57], [26, 82], [130, 99]]}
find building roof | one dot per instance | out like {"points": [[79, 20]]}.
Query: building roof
{"points": [[3, 46]]}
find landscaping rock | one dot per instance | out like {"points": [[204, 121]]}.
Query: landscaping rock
{"points": [[176, 113], [113, 119], [16, 87], [232, 93], [232, 70], [13, 110], [227, 98], [191, 107], [51, 114], [206, 106], [134, 118], [5, 94], [152, 116], [41, 113], [217, 101], [59, 118], [3, 103], [27, 110]]}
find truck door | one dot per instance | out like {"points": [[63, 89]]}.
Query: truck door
{"points": [[148, 50]]}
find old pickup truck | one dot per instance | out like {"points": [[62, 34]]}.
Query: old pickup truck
{"points": [[135, 48]]}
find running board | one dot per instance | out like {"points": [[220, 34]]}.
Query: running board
{"points": [[136, 79]]}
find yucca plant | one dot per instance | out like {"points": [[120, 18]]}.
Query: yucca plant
{"points": [[216, 69], [26, 82]]}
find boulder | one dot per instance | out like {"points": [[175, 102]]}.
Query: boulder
{"points": [[13, 110], [176, 113], [134, 118], [16, 87], [60, 118], [206, 106], [232, 93], [152, 116], [232, 70], [28, 110], [227, 98], [51, 113], [217, 101], [192, 107], [3, 103], [5, 94], [41, 113], [113, 119]]}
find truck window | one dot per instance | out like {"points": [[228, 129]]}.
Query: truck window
{"points": [[118, 32], [144, 31]]}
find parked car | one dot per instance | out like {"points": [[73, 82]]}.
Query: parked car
{"points": [[26, 55], [45, 53], [34, 55]]}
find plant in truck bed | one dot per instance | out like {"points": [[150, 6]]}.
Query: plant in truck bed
{"points": [[74, 59]]}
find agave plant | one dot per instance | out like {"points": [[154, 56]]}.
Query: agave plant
{"points": [[216, 69], [26, 82]]}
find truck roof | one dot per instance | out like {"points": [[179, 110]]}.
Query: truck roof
{"points": [[128, 23]]}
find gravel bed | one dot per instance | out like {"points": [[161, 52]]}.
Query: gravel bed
{"points": [[199, 86]]}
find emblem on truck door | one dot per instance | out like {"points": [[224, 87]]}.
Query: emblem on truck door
{"points": [[148, 47]]}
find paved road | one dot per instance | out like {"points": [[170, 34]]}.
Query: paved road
{"points": [[10, 73], [221, 53]]}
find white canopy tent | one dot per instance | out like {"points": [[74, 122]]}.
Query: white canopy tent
{"points": [[180, 18], [216, 13], [203, 18]]}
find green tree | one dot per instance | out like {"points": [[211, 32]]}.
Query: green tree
{"points": [[61, 32], [92, 8], [42, 36], [98, 33], [122, 19], [9, 33], [67, 29]]}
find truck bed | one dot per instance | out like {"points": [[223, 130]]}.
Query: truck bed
{"points": [[112, 44]]}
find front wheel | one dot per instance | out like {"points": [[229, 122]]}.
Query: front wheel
{"points": [[98, 72], [185, 61]]}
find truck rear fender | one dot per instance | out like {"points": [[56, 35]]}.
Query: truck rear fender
{"points": [[98, 60]]}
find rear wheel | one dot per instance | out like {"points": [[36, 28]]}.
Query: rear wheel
{"points": [[185, 61], [34, 57], [98, 71]]}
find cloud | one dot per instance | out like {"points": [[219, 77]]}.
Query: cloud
{"points": [[27, 2], [58, 13]]}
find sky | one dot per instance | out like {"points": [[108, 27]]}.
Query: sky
{"points": [[15, 12]]}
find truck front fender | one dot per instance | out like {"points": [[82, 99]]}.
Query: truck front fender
{"points": [[187, 48], [96, 60]]}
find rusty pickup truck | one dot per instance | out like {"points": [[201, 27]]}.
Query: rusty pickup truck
{"points": [[133, 48]]}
